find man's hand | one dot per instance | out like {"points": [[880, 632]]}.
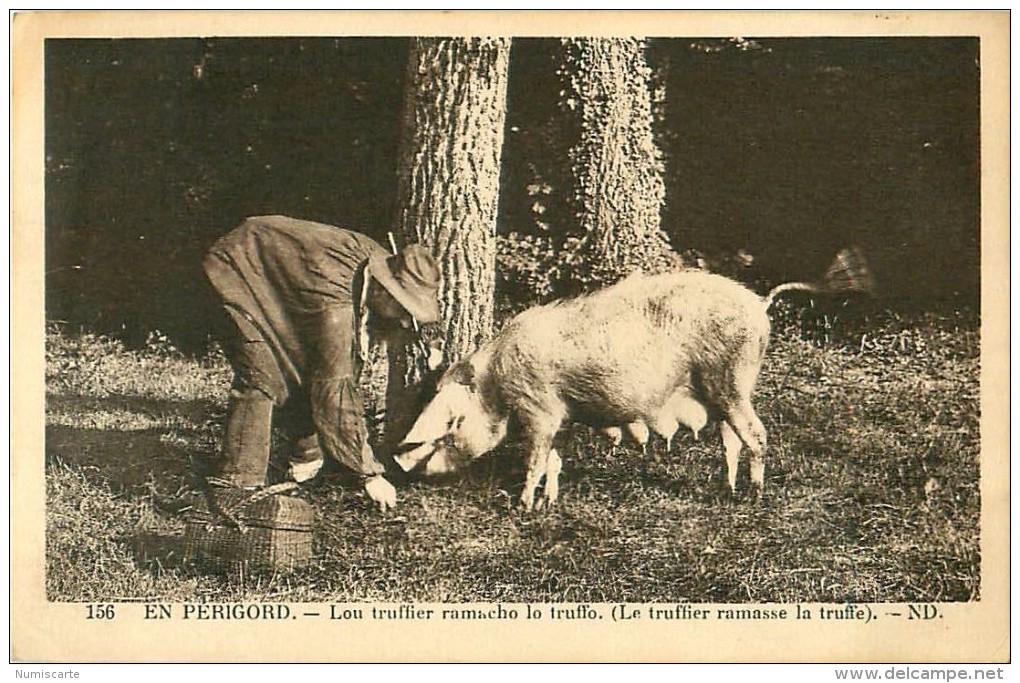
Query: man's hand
{"points": [[382, 492]]}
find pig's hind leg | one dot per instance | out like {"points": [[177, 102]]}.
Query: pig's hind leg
{"points": [[746, 427], [741, 423], [741, 416]]}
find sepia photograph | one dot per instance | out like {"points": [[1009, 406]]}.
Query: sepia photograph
{"points": [[449, 328]]}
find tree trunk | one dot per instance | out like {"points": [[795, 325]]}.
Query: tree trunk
{"points": [[448, 193], [617, 166]]}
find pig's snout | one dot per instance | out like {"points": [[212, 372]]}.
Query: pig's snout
{"points": [[412, 458], [433, 458]]}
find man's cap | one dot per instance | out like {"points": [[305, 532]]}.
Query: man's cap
{"points": [[412, 278]]}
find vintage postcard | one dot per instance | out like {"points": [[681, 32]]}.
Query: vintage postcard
{"points": [[567, 336]]}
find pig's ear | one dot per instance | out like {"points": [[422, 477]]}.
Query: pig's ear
{"points": [[434, 422], [463, 373]]}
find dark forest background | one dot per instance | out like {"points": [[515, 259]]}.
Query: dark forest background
{"points": [[786, 149]]}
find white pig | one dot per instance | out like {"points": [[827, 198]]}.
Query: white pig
{"points": [[652, 351]]}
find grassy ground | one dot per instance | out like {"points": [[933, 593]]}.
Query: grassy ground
{"points": [[871, 492]]}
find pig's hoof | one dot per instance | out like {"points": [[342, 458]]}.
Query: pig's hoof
{"points": [[542, 503], [726, 495], [545, 503]]}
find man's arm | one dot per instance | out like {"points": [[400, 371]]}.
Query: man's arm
{"points": [[337, 409]]}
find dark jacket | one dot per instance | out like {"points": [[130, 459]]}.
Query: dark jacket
{"points": [[298, 283]]}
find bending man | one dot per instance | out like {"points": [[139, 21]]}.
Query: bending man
{"points": [[306, 300]]}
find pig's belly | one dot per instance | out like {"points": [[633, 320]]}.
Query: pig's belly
{"points": [[618, 400]]}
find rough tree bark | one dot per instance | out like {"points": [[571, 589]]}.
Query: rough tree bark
{"points": [[617, 166], [448, 193]]}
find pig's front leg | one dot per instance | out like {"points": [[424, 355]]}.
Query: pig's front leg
{"points": [[553, 466], [548, 467], [540, 431], [540, 427], [538, 458]]}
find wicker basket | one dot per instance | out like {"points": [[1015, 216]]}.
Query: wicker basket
{"points": [[257, 529]]}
